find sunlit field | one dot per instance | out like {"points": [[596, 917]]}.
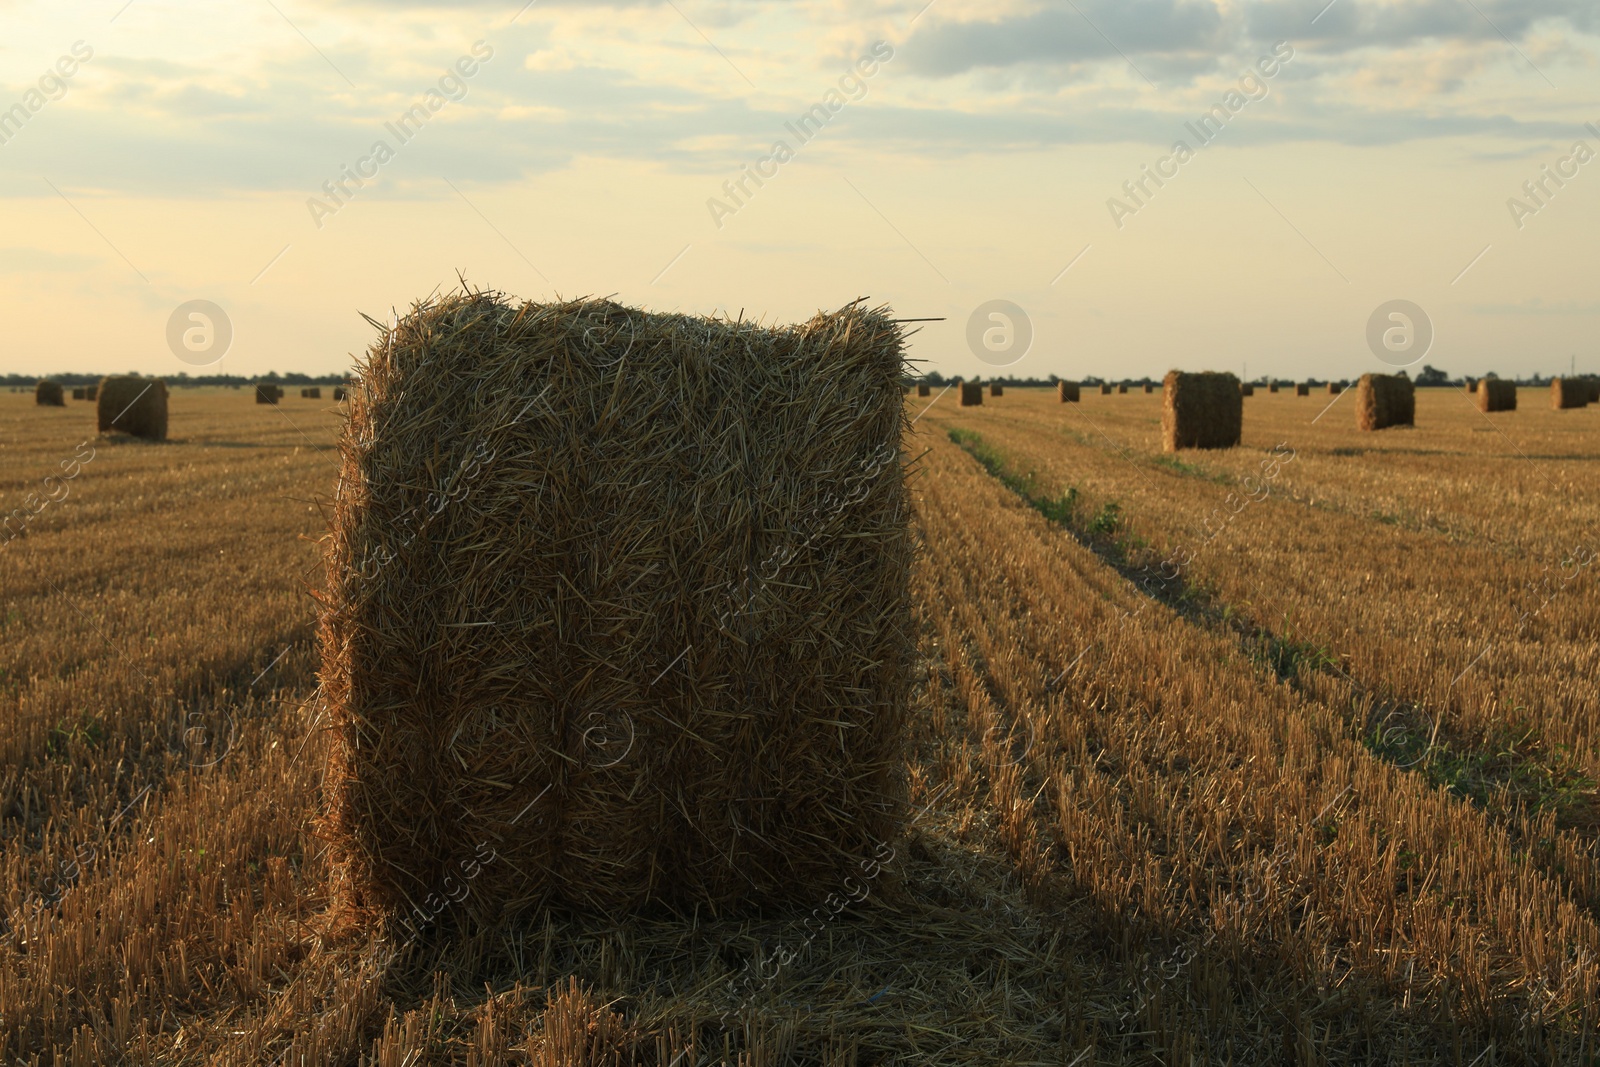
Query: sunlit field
{"points": [[1281, 754]]}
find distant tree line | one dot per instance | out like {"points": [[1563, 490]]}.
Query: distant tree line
{"points": [[182, 379], [1427, 376]]}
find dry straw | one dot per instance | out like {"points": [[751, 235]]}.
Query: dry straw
{"points": [[971, 394], [1272, 387], [996, 389], [267, 393], [1246, 389], [1568, 393], [49, 394], [1496, 394], [1105, 388], [1122, 387], [924, 389], [1148, 388], [1384, 400], [1201, 410], [622, 597], [133, 405], [1067, 392], [1335, 388], [1302, 389]]}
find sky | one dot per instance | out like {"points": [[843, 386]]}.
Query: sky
{"points": [[775, 157]]}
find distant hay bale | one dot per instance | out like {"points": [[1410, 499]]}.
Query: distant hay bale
{"points": [[971, 394], [996, 389], [1335, 388], [91, 392], [1105, 388], [1594, 390], [133, 405], [1246, 389], [77, 392], [623, 597], [1201, 410], [1384, 400], [49, 394], [314, 393], [1472, 385], [1496, 394], [1067, 392], [1302, 389], [1568, 393], [1122, 387], [267, 393], [924, 389], [1272, 387]]}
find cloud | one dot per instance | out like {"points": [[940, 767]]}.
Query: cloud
{"points": [[40, 260]]}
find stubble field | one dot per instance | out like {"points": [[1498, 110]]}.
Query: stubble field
{"points": [[1284, 754]]}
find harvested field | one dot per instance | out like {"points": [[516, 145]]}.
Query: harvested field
{"points": [[1284, 753]]}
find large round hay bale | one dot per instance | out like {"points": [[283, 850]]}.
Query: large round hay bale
{"points": [[1122, 387], [1148, 388], [1335, 388], [338, 392], [1302, 389], [91, 392], [49, 394], [1201, 410], [267, 393], [1246, 389], [622, 597], [1384, 400], [77, 392], [314, 393], [1496, 394], [924, 389], [1067, 392], [971, 394], [1594, 390], [130, 404], [1105, 388], [1272, 387], [1569, 393], [996, 389]]}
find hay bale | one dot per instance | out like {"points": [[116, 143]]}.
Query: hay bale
{"points": [[339, 392], [49, 394], [688, 536], [996, 389], [1122, 387], [1148, 388], [1302, 389], [1201, 410], [1496, 394], [267, 393], [1335, 388], [77, 392], [314, 393], [1384, 400], [1568, 393], [1067, 392], [1246, 389], [1272, 387], [1594, 390], [971, 394], [129, 404], [924, 389], [1472, 385], [91, 392], [1105, 388]]}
